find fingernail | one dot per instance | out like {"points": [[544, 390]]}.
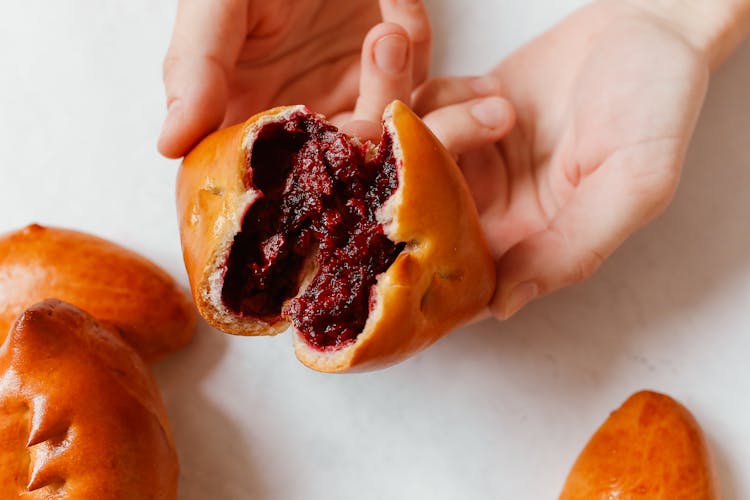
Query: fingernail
{"points": [[485, 85], [491, 112], [391, 52], [520, 296]]}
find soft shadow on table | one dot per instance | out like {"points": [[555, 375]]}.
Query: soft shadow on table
{"points": [[678, 261], [726, 471], [580, 337], [214, 461]]}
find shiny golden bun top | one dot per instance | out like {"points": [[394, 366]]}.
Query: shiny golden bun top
{"points": [[80, 415], [649, 448], [112, 283]]}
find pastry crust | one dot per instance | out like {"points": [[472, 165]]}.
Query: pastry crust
{"points": [[444, 276], [651, 447], [113, 284], [80, 415], [212, 199]]}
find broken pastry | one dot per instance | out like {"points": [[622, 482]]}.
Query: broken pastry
{"points": [[370, 252]]}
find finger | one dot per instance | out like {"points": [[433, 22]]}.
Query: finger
{"points": [[446, 90], [363, 129], [413, 16], [340, 119], [608, 206], [478, 317], [471, 124], [386, 71], [207, 37], [196, 104]]}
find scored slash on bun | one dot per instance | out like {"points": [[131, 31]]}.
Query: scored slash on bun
{"points": [[650, 447], [435, 270], [113, 284], [80, 414]]}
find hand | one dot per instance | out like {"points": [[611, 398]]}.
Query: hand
{"points": [[465, 113], [229, 59], [606, 103]]}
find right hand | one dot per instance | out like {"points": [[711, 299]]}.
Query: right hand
{"points": [[229, 59]]}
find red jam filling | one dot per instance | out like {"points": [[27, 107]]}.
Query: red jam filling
{"points": [[319, 196]]}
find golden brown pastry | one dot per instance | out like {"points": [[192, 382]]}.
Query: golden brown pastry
{"points": [[113, 284], [80, 416], [651, 447], [371, 252]]}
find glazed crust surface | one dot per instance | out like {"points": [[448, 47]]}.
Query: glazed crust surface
{"points": [[112, 283], [651, 447], [443, 277], [80, 415]]}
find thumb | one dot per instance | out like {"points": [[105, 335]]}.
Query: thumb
{"points": [[607, 206], [385, 75], [207, 37]]}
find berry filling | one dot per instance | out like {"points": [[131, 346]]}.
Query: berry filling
{"points": [[318, 195]]}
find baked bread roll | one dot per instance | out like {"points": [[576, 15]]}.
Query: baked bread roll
{"points": [[371, 252], [80, 415], [113, 284], [651, 447]]}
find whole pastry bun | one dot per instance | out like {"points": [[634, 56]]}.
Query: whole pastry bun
{"points": [[112, 283], [371, 252], [80, 416], [651, 447]]}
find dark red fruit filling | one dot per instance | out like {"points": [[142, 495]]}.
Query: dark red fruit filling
{"points": [[320, 192]]}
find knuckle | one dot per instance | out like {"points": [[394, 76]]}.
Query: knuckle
{"points": [[420, 32], [169, 64], [425, 96], [437, 125], [656, 185], [587, 265], [583, 263], [655, 172], [436, 84]]}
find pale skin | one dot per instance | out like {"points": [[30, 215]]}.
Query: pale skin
{"points": [[229, 59], [604, 106]]}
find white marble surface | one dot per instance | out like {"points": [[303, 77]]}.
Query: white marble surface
{"points": [[492, 411]]}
